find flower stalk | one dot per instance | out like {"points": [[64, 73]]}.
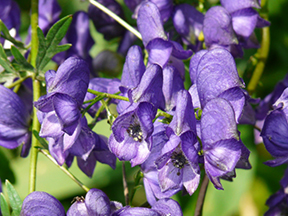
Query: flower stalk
{"points": [[117, 18], [36, 95]]}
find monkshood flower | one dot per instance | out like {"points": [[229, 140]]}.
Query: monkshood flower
{"points": [[41, 203], [110, 86], [188, 22], [133, 71], [96, 203], [221, 146], [105, 24], [244, 20], [274, 134], [99, 153], [165, 7], [66, 90], [218, 30], [217, 76], [172, 84], [14, 120], [148, 168], [10, 16], [161, 50], [131, 138], [178, 163]]}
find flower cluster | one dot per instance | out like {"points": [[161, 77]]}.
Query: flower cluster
{"points": [[170, 129]]}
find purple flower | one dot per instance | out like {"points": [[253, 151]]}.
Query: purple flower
{"points": [[96, 203], [148, 168], [131, 138], [274, 134], [104, 23], [14, 120], [41, 203], [178, 163], [161, 50], [222, 148], [188, 22], [66, 90], [217, 76]]}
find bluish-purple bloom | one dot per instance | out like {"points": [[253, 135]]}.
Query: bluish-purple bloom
{"points": [[14, 120], [41, 203], [131, 138], [177, 164]]}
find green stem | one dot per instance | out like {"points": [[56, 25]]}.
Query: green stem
{"points": [[263, 53], [19, 81], [117, 18], [65, 170], [34, 36], [35, 143], [125, 186], [138, 177], [36, 95], [107, 95]]}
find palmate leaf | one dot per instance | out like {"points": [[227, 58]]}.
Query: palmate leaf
{"points": [[14, 199], [6, 35], [48, 47]]}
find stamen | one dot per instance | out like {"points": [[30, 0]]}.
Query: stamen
{"points": [[134, 131]]}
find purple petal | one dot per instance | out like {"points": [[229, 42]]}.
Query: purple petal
{"points": [[235, 5], [72, 78], [56, 149], [77, 208], [218, 122], [79, 36], [97, 202], [194, 95], [191, 178], [244, 21], [179, 52], [88, 165], [159, 51], [133, 69], [216, 73], [50, 126], [136, 211], [150, 87], [172, 83], [149, 23], [67, 112], [222, 157], [217, 27], [41, 203], [194, 64], [168, 177], [237, 100], [125, 150], [188, 22], [184, 118], [275, 132], [168, 207], [49, 12]]}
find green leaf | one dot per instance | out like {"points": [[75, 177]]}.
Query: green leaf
{"points": [[4, 62], [48, 47], [4, 206], [22, 63], [14, 198], [6, 35], [40, 139]]}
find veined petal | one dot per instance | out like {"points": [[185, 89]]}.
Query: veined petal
{"points": [[41, 203], [235, 5], [149, 22], [218, 122], [67, 111], [97, 202]]}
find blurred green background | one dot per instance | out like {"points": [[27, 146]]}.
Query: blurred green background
{"points": [[245, 196]]}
